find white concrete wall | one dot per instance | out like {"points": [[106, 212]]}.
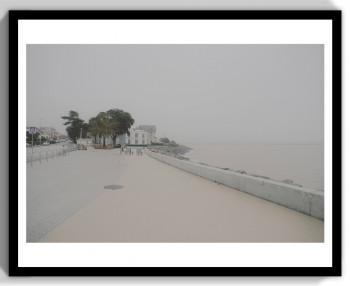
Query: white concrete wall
{"points": [[301, 199]]}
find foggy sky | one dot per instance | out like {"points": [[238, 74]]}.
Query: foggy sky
{"points": [[193, 93]]}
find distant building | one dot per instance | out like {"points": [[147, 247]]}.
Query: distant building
{"points": [[42, 134], [138, 137], [49, 132], [141, 135], [148, 128], [151, 130]]}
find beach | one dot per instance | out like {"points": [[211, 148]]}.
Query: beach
{"points": [[155, 202]]}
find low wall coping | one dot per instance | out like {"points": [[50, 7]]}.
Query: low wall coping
{"points": [[305, 200]]}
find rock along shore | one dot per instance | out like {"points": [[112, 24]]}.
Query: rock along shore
{"points": [[180, 150], [172, 151]]}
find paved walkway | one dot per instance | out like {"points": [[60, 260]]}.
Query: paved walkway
{"points": [[57, 189], [160, 203]]}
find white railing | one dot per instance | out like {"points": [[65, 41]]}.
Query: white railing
{"points": [[51, 154]]}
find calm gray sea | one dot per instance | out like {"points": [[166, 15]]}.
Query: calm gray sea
{"points": [[304, 164]]}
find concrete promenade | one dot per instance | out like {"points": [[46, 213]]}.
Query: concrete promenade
{"points": [[57, 189], [160, 203]]}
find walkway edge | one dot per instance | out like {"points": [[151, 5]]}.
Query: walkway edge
{"points": [[307, 201]]}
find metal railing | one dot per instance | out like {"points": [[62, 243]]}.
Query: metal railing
{"points": [[46, 155]]}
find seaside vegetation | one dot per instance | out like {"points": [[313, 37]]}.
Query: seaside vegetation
{"points": [[169, 147], [167, 142], [164, 140], [112, 123]]}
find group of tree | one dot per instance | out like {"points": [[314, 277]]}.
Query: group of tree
{"points": [[34, 138], [164, 140], [111, 123], [167, 141]]}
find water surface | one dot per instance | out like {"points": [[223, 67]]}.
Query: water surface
{"points": [[304, 164]]}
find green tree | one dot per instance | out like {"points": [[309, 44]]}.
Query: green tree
{"points": [[93, 128], [36, 137], [101, 125], [112, 123], [85, 130], [74, 125], [121, 122], [164, 140]]}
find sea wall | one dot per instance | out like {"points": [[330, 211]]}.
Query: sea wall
{"points": [[301, 199]]}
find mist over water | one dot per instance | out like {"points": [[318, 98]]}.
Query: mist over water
{"points": [[226, 93], [304, 164]]}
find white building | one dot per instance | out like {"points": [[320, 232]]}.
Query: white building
{"points": [[41, 133], [49, 132], [151, 129], [138, 136]]}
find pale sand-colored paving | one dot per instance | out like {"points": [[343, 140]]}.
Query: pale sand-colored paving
{"points": [[160, 203]]}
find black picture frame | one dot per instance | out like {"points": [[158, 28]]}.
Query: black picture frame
{"points": [[334, 16]]}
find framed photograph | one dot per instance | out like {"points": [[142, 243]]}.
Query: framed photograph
{"points": [[175, 143]]}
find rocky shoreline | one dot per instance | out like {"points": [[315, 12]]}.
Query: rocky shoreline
{"points": [[172, 151], [180, 150]]}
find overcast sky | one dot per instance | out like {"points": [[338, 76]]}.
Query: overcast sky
{"points": [[193, 93]]}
